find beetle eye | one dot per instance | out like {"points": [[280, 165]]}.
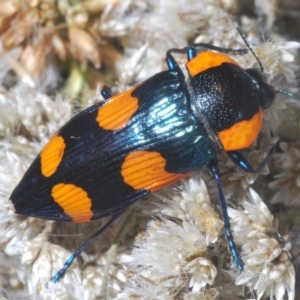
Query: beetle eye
{"points": [[267, 95], [266, 91]]}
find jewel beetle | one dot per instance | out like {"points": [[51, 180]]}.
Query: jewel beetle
{"points": [[148, 137]]}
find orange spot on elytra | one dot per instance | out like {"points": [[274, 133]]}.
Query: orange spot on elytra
{"points": [[52, 155], [74, 201], [242, 134], [117, 111], [206, 60], [146, 170]]}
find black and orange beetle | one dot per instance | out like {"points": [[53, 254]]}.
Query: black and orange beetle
{"points": [[159, 131]]}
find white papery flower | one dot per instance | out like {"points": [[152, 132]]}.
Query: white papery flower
{"points": [[268, 269], [287, 182], [252, 221], [202, 272], [169, 252]]}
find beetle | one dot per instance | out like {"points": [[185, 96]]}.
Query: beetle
{"points": [[148, 137]]}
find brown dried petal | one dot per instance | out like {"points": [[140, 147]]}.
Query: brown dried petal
{"points": [[5, 23], [77, 16], [33, 3], [12, 37], [9, 7], [28, 17], [83, 45], [97, 6], [59, 46], [33, 58], [47, 12]]}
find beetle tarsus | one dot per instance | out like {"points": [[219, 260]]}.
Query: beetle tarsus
{"points": [[61, 273], [240, 160]]}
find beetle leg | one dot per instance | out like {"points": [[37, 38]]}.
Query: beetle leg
{"points": [[77, 252], [192, 51], [171, 62], [213, 164], [105, 93], [240, 160]]}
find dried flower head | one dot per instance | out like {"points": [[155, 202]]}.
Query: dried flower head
{"points": [[179, 250], [172, 255], [46, 32], [268, 267], [287, 182]]}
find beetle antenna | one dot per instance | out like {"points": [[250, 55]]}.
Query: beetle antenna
{"points": [[251, 50], [262, 68], [288, 93]]}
